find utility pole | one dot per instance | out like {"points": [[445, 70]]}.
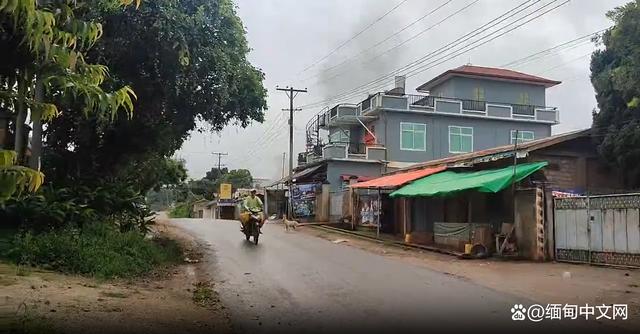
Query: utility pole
{"points": [[219, 154], [290, 94], [284, 155]]}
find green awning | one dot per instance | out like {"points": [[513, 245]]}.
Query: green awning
{"points": [[486, 181]]}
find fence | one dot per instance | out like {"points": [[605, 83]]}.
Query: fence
{"points": [[601, 229]]}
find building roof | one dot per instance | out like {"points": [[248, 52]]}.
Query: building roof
{"points": [[484, 181], [488, 73], [396, 180], [499, 152]]}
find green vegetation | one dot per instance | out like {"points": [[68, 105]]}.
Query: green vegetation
{"points": [[97, 250], [615, 74], [182, 196], [181, 210], [103, 135]]}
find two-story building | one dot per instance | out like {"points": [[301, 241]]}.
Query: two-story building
{"points": [[462, 110]]}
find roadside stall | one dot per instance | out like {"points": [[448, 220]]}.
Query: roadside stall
{"points": [[463, 210], [373, 207]]}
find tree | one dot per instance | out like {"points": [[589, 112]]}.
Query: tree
{"points": [[615, 75], [52, 43], [189, 69], [214, 174], [16, 179], [239, 178], [43, 45]]}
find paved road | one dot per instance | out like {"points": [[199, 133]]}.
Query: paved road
{"points": [[293, 282]]}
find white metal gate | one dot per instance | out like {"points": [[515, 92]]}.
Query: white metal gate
{"points": [[598, 229]]}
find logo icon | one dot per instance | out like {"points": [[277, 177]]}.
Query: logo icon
{"points": [[518, 313], [536, 313]]}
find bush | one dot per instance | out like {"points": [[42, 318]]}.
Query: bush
{"points": [[98, 250], [181, 210], [53, 207]]}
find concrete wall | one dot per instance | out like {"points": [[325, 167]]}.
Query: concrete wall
{"points": [[494, 91], [445, 89], [394, 102], [322, 204], [337, 168], [487, 133], [334, 151]]}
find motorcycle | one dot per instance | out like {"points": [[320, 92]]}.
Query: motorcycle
{"points": [[252, 227]]}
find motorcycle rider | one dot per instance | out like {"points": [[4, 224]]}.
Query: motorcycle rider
{"points": [[251, 203]]}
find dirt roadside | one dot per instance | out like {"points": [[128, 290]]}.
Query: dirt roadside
{"points": [[543, 283], [181, 299]]}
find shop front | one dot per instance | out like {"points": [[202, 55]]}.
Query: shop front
{"points": [[458, 210]]}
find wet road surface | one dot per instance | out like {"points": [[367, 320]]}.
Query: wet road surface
{"points": [[293, 282]]}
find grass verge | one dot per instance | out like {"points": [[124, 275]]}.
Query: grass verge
{"points": [[98, 250]]}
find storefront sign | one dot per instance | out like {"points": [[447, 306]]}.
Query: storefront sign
{"points": [[304, 199], [225, 191]]}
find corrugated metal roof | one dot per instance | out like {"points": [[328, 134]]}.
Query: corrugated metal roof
{"points": [[498, 153], [396, 180]]}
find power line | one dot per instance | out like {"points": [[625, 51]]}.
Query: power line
{"points": [[424, 67], [562, 46], [354, 36], [462, 50], [407, 40], [566, 63], [380, 42], [449, 46]]}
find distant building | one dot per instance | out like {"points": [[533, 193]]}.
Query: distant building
{"points": [[261, 182]]}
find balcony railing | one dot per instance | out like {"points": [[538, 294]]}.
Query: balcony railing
{"points": [[524, 110], [419, 100], [352, 147], [474, 105], [509, 110]]}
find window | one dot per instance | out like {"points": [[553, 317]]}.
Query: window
{"points": [[524, 98], [523, 136], [478, 94], [460, 139], [340, 136], [413, 137]]}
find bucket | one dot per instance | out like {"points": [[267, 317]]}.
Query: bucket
{"points": [[467, 248]]}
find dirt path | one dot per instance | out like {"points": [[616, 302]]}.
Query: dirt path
{"points": [[177, 300], [545, 283]]}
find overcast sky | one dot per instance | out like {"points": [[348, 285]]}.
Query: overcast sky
{"points": [[289, 36]]}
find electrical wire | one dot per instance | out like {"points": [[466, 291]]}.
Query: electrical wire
{"points": [[353, 37], [350, 59], [358, 90]]}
